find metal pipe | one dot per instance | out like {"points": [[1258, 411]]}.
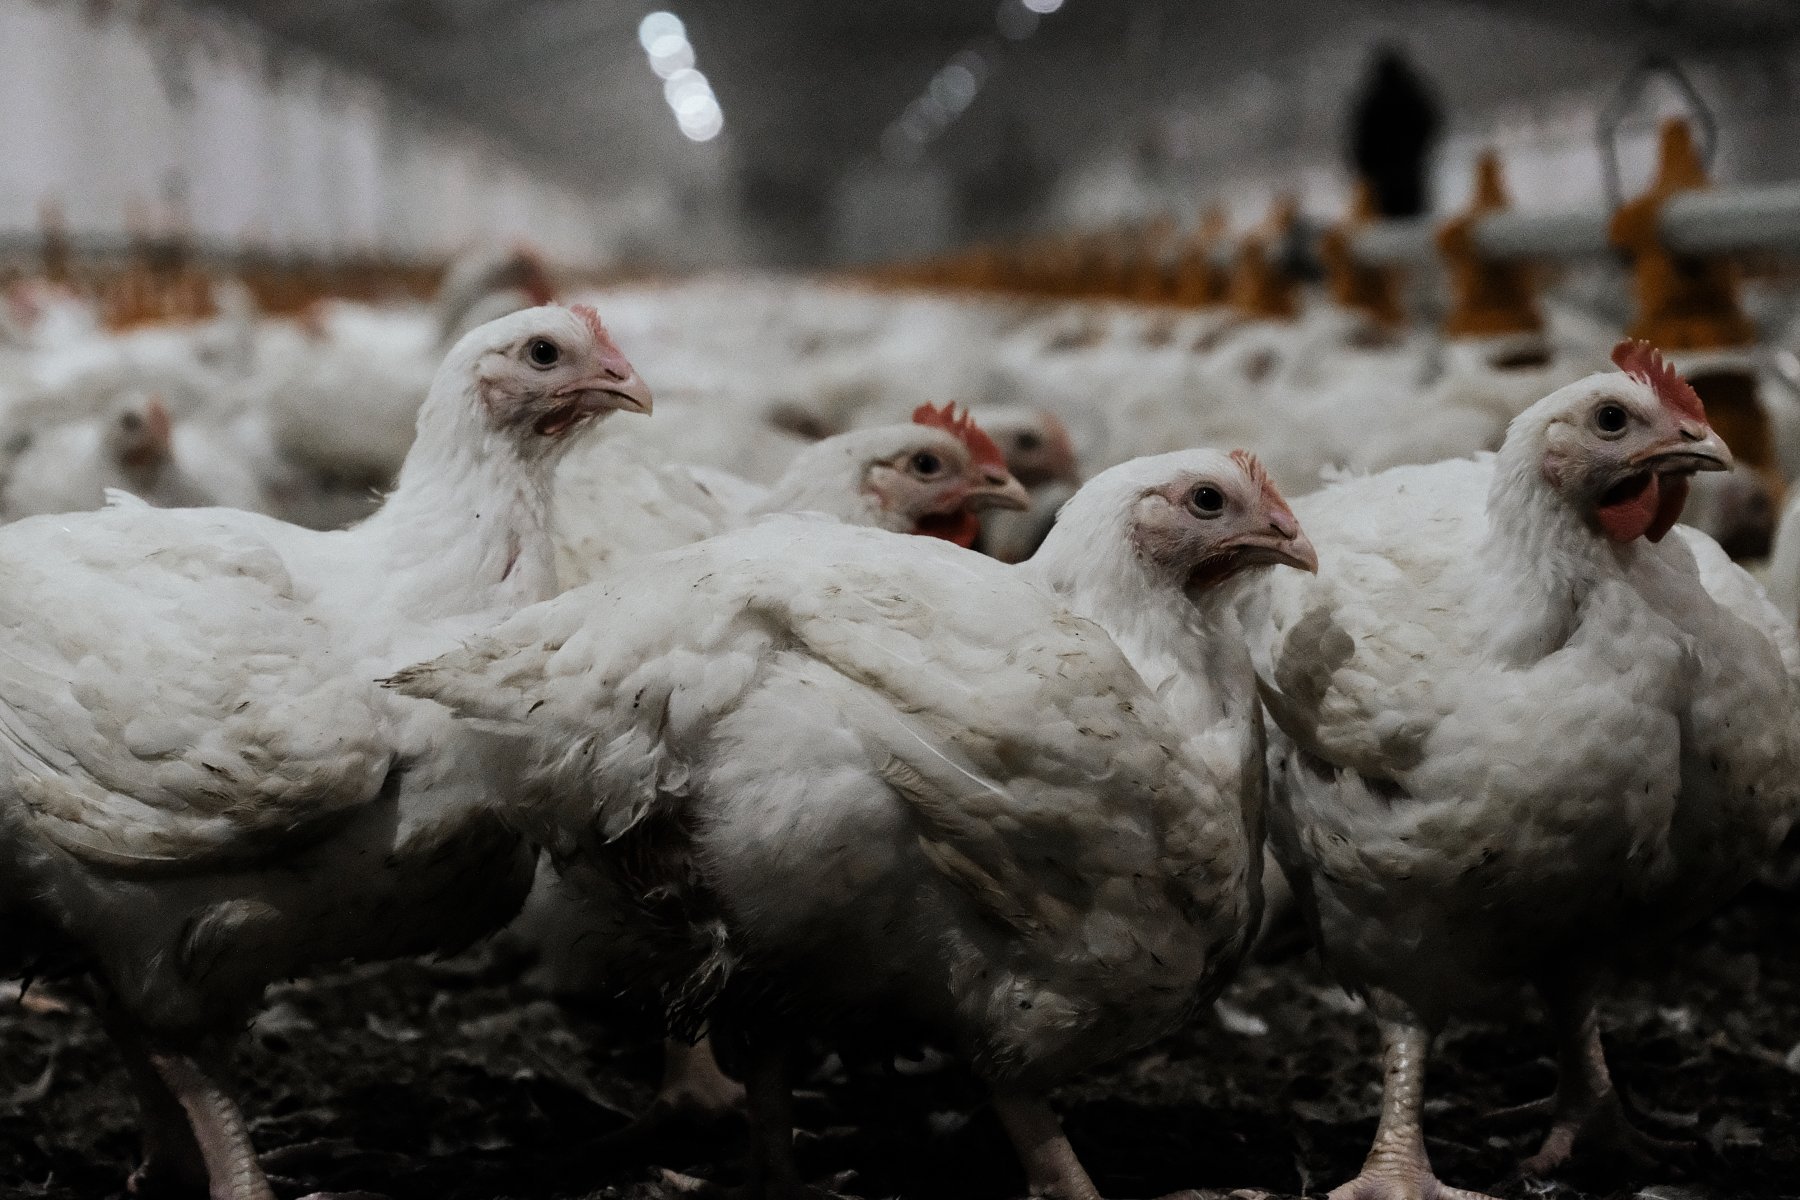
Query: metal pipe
{"points": [[1734, 220]]}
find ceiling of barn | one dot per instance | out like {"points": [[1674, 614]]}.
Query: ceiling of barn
{"points": [[808, 88]]}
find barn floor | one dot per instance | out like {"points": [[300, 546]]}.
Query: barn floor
{"points": [[453, 1083]]}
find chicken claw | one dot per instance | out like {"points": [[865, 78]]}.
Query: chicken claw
{"points": [[1586, 1106], [693, 1086], [695, 1096], [1397, 1167], [218, 1128]]}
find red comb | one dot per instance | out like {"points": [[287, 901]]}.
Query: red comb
{"points": [[1645, 363], [981, 446], [586, 313], [611, 357], [1252, 466]]}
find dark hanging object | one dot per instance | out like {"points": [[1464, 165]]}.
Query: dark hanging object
{"points": [[1394, 123]]}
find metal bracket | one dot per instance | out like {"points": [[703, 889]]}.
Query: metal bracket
{"points": [[1631, 91]]}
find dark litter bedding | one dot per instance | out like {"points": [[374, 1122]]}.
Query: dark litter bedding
{"points": [[457, 1082]]}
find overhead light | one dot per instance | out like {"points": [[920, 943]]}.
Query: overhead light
{"points": [[683, 86], [671, 56], [687, 91], [657, 26], [1042, 8], [703, 125]]}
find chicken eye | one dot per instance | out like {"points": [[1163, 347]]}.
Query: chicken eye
{"points": [[926, 463], [1611, 419], [1028, 442], [542, 353], [1207, 500], [130, 422]]}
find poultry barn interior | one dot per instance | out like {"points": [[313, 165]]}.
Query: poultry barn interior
{"points": [[946, 599]]}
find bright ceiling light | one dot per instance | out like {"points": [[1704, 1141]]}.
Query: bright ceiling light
{"points": [[1042, 7], [693, 106], [702, 126], [658, 25], [685, 85], [671, 56], [688, 92], [698, 110]]}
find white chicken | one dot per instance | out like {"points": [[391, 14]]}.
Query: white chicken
{"points": [[344, 402], [1040, 848], [1520, 728], [1041, 455], [135, 448], [935, 476], [1781, 575], [203, 788]]}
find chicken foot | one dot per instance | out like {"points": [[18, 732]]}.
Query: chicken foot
{"points": [[693, 1086], [195, 1138], [1052, 1170], [774, 1175], [1586, 1106], [1397, 1167], [695, 1094], [218, 1126], [172, 1164]]}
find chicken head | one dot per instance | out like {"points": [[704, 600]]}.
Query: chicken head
{"points": [[946, 473], [1218, 515], [541, 373], [139, 436], [1622, 449]]}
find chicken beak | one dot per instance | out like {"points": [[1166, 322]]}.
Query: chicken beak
{"points": [[1281, 543], [609, 391], [1693, 447], [1299, 553], [1277, 550], [998, 489]]}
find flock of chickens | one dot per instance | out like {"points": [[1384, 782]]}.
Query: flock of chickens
{"points": [[378, 632]]}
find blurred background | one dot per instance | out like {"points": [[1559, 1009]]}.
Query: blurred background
{"points": [[1348, 234], [238, 237], [806, 133]]}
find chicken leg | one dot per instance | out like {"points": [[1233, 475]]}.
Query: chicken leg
{"points": [[774, 1175], [694, 1095], [1052, 1171], [172, 1164], [1051, 1168], [693, 1087], [1397, 1167], [1586, 1106]]}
